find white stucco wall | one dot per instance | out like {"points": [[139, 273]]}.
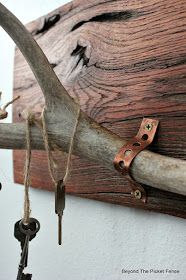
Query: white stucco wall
{"points": [[99, 239]]}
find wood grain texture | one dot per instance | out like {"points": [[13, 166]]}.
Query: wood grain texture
{"points": [[122, 61]]}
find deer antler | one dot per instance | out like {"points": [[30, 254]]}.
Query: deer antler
{"points": [[92, 140]]}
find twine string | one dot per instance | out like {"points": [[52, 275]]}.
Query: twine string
{"points": [[50, 160], [27, 209], [71, 146], [51, 165], [30, 119]]}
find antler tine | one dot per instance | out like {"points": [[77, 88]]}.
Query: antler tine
{"points": [[51, 87]]}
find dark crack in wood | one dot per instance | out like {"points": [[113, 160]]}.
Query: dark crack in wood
{"points": [[48, 23], [108, 17]]}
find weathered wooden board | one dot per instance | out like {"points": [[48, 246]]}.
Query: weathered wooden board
{"points": [[122, 60]]}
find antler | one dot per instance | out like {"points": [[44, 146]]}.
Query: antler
{"points": [[92, 140]]}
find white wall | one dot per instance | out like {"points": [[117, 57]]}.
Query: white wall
{"points": [[99, 239]]}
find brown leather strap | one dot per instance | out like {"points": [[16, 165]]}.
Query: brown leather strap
{"points": [[128, 152]]}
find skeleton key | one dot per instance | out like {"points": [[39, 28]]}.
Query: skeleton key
{"points": [[29, 234], [20, 236], [60, 206], [26, 276]]}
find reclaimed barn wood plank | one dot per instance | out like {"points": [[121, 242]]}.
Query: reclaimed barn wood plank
{"points": [[122, 61]]}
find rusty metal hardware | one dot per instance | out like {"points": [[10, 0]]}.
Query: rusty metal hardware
{"points": [[129, 151]]}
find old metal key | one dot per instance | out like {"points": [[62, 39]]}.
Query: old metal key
{"points": [[60, 206], [29, 233], [20, 236]]}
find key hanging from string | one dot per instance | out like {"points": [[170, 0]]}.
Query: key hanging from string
{"points": [[25, 230], [59, 184], [60, 206]]}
